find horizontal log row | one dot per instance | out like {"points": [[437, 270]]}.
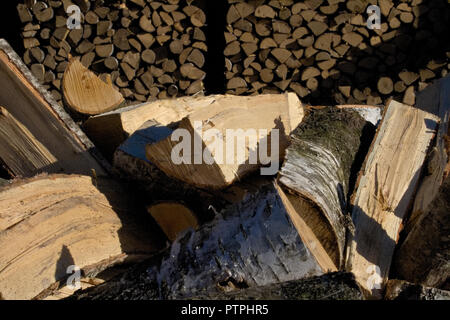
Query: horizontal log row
{"points": [[324, 51], [149, 49]]}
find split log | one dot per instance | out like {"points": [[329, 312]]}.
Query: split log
{"points": [[385, 189], [173, 218], [434, 99], [317, 172], [331, 286], [424, 256], [85, 93], [21, 153], [50, 223], [252, 243], [251, 118], [69, 150], [110, 130], [402, 290]]}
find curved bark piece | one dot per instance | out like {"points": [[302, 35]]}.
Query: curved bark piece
{"points": [[85, 93], [50, 223], [316, 173]]}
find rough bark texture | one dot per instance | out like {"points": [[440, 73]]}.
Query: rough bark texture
{"points": [[318, 167], [49, 223], [402, 290], [332, 286], [250, 244]]}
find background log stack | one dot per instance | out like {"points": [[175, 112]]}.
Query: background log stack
{"points": [[324, 51], [150, 49]]}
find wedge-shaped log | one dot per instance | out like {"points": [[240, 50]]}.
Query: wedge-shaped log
{"points": [[21, 153], [231, 138], [85, 93], [50, 223], [110, 130], [385, 189], [424, 256], [70, 151], [317, 171], [434, 99], [173, 218]]}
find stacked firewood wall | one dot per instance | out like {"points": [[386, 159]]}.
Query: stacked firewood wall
{"points": [[149, 49], [324, 51]]}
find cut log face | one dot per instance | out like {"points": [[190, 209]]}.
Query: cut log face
{"points": [[50, 223], [229, 118], [85, 93], [47, 124], [173, 218], [385, 189], [317, 171]]}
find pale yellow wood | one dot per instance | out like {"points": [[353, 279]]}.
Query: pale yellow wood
{"points": [[298, 209], [385, 189], [111, 129], [85, 93], [49, 223], [173, 218], [251, 115]]}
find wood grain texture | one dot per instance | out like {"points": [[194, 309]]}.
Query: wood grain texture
{"points": [[51, 222], [85, 93], [20, 152], [247, 117], [385, 189], [33, 106], [111, 129]]}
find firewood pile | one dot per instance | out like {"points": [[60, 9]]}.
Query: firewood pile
{"points": [[149, 50], [121, 178]]}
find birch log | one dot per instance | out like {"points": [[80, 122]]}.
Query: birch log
{"points": [[317, 171], [385, 189]]}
